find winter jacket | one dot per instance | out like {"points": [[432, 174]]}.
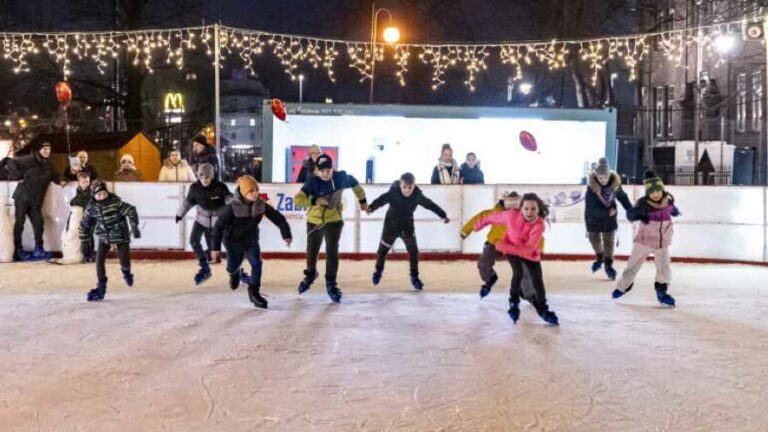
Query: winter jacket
{"points": [[238, 225], [5, 173], [110, 218], [446, 173], [471, 175], [180, 172], [522, 239], [600, 200], [210, 202], [401, 208], [69, 176], [207, 156], [331, 190], [655, 229], [36, 173], [81, 199], [129, 175], [497, 231]]}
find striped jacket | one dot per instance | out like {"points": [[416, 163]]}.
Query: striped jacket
{"points": [[110, 218]]}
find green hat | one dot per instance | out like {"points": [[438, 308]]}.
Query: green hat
{"points": [[652, 183]]}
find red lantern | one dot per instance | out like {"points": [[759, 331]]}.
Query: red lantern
{"points": [[528, 141], [278, 109], [63, 93]]}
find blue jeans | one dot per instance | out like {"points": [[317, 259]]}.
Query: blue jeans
{"points": [[235, 257]]}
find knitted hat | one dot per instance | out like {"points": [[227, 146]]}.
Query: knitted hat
{"points": [[247, 184], [98, 186], [42, 145], [603, 168], [324, 162], [206, 170], [200, 139], [652, 183]]}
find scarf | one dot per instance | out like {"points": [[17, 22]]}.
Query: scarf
{"points": [[447, 177]]}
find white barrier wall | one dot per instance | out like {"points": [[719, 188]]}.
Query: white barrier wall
{"points": [[716, 223]]}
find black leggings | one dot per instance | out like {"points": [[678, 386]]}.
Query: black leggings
{"points": [[123, 252], [331, 232], [35, 215], [537, 280], [195, 240], [388, 237]]}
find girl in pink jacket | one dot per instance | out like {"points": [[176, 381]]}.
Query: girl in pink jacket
{"points": [[520, 244], [653, 235]]}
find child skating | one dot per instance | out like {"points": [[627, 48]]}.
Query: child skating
{"points": [[322, 195], [209, 196], [653, 235], [603, 190], [487, 259], [403, 197], [238, 228], [522, 246], [113, 221]]}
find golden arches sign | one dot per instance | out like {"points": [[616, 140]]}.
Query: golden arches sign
{"points": [[173, 101]]}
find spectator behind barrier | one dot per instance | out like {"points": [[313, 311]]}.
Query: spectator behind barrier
{"points": [[176, 169], [70, 173], [447, 169], [470, 172], [203, 153], [309, 164], [128, 171]]}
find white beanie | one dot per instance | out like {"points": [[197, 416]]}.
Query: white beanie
{"points": [[127, 157]]}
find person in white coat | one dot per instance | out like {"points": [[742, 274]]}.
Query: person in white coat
{"points": [[176, 169]]}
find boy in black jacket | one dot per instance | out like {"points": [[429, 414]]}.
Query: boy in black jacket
{"points": [[403, 198], [210, 196], [110, 217], [238, 227]]}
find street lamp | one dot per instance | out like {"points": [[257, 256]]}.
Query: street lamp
{"points": [[391, 36], [301, 88], [525, 88], [725, 43]]}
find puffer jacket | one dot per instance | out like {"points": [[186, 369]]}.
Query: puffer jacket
{"points": [[597, 210], [110, 218], [238, 225], [180, 172], [655, 229], [36, 173], [522, 239], [210, 201], [332, 191]]}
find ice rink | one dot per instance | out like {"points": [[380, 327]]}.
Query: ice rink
{"points": [[169, 356]]}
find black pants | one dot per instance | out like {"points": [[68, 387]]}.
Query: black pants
{"points": [[537, 280], [331, 232], [195, 240], [35, 214], [391, 233], [123, 252]]}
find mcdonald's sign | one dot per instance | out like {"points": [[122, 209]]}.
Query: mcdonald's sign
{"points": [[174, 102]]}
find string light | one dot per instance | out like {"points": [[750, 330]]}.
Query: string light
{"points": [[148, 49]]}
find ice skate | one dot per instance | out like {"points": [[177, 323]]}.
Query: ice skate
{"points": [[305, 284], [662, 296], [486, 288], [333, 291], [417, 283]]}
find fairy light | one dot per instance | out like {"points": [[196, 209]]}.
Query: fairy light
{"points": [[147, 49]]}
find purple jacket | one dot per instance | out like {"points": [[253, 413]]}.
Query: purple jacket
{"points": [[655, 229]]}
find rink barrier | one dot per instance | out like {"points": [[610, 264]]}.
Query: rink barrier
{"points": [[725, 224]]}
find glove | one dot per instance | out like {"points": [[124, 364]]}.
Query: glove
{"points": [[136, 232], [178, 218]]}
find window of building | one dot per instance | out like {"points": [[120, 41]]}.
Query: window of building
{"points": [[233, 122], [757, 101], [252, 122], [669, 114], [658, 110], [741, 103]]}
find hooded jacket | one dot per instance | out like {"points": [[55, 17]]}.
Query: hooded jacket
{"points": [[401, 208], [332, 191], [497, 231], [208, 155], [238, 225], [522, 239], [179, 172], [36, 173], [471, 175], [655, 229], [110, 218], [210, 202], [600, 200]]}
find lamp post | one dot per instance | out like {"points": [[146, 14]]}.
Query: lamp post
{"points": [[301, 88], [391, 36]]}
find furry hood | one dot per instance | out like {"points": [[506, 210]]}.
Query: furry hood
{"points": [[614, 181]]}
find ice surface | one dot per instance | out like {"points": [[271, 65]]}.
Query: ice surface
{"points": [[166, 355]]}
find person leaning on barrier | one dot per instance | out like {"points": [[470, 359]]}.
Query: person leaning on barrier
{"points": [[447, 169], [128, 171]]}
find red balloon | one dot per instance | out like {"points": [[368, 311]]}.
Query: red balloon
{"points": [[278, 109], [528, 141], [63, 92]]}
